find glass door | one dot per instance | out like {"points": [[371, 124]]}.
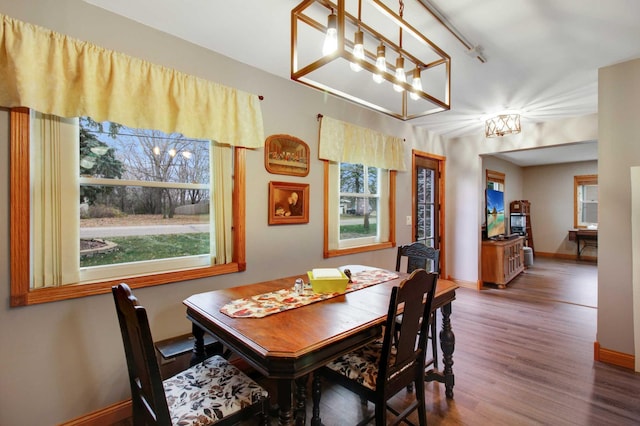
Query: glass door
{"points": [[428, 181]]}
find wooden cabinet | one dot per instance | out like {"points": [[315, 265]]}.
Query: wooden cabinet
{"points": [[502, 260]]}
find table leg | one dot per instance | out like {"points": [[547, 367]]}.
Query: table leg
{"points": [[316, 393], [199, 352], [447, 343], [285, 402], [301, 399]]}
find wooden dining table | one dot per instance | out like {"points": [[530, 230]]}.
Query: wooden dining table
{"points": [[288, 345]]}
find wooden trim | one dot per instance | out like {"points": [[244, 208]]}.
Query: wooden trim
{"points": [[20, 181], [325, 244], [565, 256], [240, 208], [616, 358], [392, 207], [442, 245], [19, 206], [107, 416], [360, 249], [493, 176]]}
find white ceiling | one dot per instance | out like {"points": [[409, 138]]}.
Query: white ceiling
{"points": [[568, 153], [542, 56]]}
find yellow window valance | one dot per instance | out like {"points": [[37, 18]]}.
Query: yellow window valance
{"points": [[346, 143], [59, 75]]}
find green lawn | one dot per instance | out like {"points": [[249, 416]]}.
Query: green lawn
{"points": [[150, 247]]}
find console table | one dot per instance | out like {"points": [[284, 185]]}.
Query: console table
{"points": [[583, 238], [502, 260]]}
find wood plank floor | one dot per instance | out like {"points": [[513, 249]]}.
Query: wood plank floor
{"points": [[523, 356]]}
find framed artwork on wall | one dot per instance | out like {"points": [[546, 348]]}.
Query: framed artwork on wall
{"points": [[286, 155], [288, 203]]}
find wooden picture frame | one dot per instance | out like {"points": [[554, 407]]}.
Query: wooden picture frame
{"points": [[286, 155], [288, 203]]}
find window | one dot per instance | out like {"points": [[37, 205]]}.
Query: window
{"points": [[360, 208], [585, 190], [101, 175]]}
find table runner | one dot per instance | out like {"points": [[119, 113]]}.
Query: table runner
{"points": [[284, 299]]}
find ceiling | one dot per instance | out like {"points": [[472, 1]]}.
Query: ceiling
{"points": [[542, 56], [567, 153]]}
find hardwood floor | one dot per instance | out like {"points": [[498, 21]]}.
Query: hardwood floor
{"points": [[523, 356]]}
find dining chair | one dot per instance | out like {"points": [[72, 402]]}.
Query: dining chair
{"points": [[211, 392], [379, 370], [419, 256]]}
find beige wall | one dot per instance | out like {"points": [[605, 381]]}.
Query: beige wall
{"points": [[618, 150], [67, 356], [550, 191]]}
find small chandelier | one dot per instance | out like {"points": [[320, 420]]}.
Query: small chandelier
{"points": [[500, 125], [334, 50]]}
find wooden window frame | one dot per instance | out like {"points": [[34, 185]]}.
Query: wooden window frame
{"points": [[578, 181], [20, 231]]}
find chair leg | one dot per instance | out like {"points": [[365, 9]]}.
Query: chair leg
{"points": [[434, 339], [420, 399]]}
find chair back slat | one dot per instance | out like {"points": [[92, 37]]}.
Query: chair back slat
{"points": [[419, 256], [147, 392]]}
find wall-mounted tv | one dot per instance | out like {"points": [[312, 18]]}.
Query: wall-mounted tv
{"points": [[495, 213]]}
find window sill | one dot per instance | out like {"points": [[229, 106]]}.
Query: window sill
{"points": [[361, 249]]}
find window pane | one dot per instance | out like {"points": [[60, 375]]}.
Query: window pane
{"points": [[352, 178], [165, 216], [359, 218], [372, 180], [110, 150], [120, 228]]}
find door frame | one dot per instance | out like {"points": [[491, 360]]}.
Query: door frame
{"points": [[441, 202]]}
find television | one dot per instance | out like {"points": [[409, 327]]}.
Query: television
{"points": [[518, 224], [495, 214]]}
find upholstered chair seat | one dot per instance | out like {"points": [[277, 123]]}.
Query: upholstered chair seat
{"points": [[209, 391], [361, 365]]}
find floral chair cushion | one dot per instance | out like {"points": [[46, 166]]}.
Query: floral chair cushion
{"points": [[360, 365], [209, 391]]}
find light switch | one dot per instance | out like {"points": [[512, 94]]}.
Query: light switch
{"points": [[408, 220]]}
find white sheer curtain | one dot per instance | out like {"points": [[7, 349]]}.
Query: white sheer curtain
{"points": [[55, 201], [221, 203]]}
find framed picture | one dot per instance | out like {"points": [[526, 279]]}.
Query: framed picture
{"points": [[286, 155], [288, 203]]}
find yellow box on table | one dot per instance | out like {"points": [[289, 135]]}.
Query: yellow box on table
{"points": [[327, 280]]}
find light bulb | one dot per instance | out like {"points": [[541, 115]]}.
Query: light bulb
{"points": [[381, 64], [358, 50], [400, 76], [416, 83], [331, 38]]}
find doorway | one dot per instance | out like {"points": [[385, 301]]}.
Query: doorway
{"points": [[428, 202]]}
